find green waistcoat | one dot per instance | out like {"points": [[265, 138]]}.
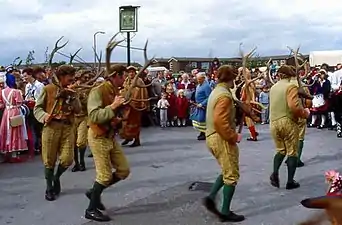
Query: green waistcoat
{"points": [[221, 90], [278, 100]]}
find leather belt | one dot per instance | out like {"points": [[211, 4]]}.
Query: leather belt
{"points": [[62, 121]]}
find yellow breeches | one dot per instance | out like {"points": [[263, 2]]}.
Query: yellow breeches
{"points": [[227, 157], [81, 132], [249, 121], [107, 154], [302, 128], [285, 133], [58, 140]]}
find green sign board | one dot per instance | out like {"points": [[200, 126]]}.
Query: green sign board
{"points": [[128, 19]]}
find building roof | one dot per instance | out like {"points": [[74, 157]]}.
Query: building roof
{"points": [[198, 59], [135, 64], [234, 59]]}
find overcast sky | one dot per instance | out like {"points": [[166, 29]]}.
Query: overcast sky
{"points": [[198, 28]]}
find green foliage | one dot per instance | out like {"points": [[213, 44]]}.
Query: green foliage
{"points": [[57, 64], [30, 58]]}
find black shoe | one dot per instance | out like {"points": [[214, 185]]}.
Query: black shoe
{"points": [[82, 167], [90, 155], [292, 185], [50, 196], [76, 168], [252, 139], [300, 164], [320, 127], [96, 215], [134, 144], [210, 205], [125, 142], [231, 217], [201, 138], [57, 187], [274, 178], [100, 206], [332, 127]]}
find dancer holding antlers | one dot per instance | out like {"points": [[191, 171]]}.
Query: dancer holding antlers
{"points": [[285, 111], [56, 108], [248, 92], [106, 110], [222, 139]]}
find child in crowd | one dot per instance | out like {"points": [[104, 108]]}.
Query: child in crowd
{"points": [[163, 105], [182, 105], [264, 100]]}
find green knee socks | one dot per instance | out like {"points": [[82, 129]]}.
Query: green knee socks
{"points": [[228, 193], [60, 171], [76, 156], [292, 162], [82, 153], [300, 149], [95, 198], [216, 187], [277, 160], [49, 179]]}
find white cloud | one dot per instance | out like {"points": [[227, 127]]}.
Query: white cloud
{"points": [[174, 28]]}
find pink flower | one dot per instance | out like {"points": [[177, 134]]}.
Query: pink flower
{"points": [[331, 176]]}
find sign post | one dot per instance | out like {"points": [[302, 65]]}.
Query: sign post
{"points": [[128, 17]]}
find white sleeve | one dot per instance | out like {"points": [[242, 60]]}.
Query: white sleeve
{"points": [[38, 91]]}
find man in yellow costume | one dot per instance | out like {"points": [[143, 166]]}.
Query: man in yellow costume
{"points": [[56, 108], [285, 112], [104, 113], [302, 123], [222, 139], [81, 127], [131, 127]]}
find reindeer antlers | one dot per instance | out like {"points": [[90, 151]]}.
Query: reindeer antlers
{"points": [[109, 49], [296, 56], [134, 84], [56, 49], [72, 56]]}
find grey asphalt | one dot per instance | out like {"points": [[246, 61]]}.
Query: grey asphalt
{"points": [[156, 193]]}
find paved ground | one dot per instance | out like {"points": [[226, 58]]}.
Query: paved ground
{"points": [[157, 191]]}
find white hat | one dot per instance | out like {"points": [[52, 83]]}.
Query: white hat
{"points": [[322, 71], [100, 79]]}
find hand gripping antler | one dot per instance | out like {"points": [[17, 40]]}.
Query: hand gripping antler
{"points": [[56, 49]]}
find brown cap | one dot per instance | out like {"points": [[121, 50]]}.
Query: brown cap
{"points": [[226, 73], [287, 71]]}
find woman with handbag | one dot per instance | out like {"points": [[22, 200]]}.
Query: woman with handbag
{"points": [[13, 133], [320, 105]]}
